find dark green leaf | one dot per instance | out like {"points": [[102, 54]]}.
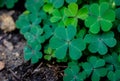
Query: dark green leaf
{"points": [[98, 43]]}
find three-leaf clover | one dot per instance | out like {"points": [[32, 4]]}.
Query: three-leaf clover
{"points": [[49, 53], [113, 66], [72, 73], [34, 37], [73, 14], [26, 21], [58, 16], [100, 42], [95, 66], [32, 53], [64, 43], [112, 61], [100, 17]]}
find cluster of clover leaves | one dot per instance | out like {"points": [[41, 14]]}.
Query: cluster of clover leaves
{"points": [[84, 33], [8, 3]]}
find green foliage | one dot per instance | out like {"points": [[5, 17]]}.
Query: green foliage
{"points": [[95, 67], [100, 17], [62, 42], [8, 3], [100, 42], [73, 14], [117, 2], [32, 53], [112, 61], [49, 54], [83, 33], [72, 73], [113, 66], [34, 5], [114, 76], [57, 3]]}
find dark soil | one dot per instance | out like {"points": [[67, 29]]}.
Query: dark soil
{"points": [[16, 69]]}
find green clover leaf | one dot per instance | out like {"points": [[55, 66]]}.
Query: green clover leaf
{"points": [[73, 14], [26, 21], [99, 43], [118, 18], [34, 37], [58, 16], [57, 3], [48, 31], [48, 8], [49, 53], [9, 4], [71, 1], [82, 13], [72, 73], [72, 10], [63, 40], [94, 66], [117, 2], [34, 5], [32, 53], [113, 62], [100, 17], [114, 76], [117, 13]]}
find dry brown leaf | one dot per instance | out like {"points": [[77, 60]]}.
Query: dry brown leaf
{"points": [[7, 23], [2, 65]]}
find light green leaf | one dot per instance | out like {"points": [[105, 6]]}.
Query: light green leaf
{"points": [[83, 13], [48, 8], [72, 9]]}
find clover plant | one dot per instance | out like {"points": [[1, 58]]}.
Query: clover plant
{"points": [[8, 3], [99, 19], [83, 33]]}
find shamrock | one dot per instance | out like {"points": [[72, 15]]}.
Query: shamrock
{"points": [[114, 76], [72, 73], [100, 17], [113, 61], [32, 53], [64, 40], [73, 14], [99, 43], [94, 66]]}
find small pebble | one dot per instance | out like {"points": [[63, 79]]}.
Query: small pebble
{"points": [[16, 54], [8, 45]]}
